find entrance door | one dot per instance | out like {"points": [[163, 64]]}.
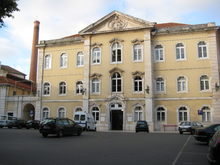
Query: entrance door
{"points": [[116, 117]]}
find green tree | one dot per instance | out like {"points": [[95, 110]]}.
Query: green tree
{"points": [[6, 9]]}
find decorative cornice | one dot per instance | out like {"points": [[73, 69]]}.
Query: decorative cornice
{"points": [[116, 97], [116, 39], [137, 40], [137, 73]]}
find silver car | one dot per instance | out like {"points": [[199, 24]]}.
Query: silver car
{"points": [[189, 126]]}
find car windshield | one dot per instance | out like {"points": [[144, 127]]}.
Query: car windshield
{"points": [[185, 123], [30, 121], [3, 118], [48, 121]]}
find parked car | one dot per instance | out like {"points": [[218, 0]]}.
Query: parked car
{"points": [[189, 126], [59, 126], [142, 125], [214, 149], [33, 124], [5, 120], [205, 134], [19, 123]]}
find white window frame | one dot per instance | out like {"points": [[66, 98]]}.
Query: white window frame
{"points": [[139, 111], [205, 112], [163, 49], [91, 87], [133, 49], [100, 52], [96, 111], [116, 84], [200, 82], [81, 59], [165, 112], [187, 110], [76, 87], [48, 111], [58, 111], [62, 94], [46, 95], [184, 50], [207, 50], [186, 81], [47, 66], [111, 49], [64, 63], [164, 83], [133, 85]]}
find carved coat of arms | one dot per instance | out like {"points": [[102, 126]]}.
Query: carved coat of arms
{"points": [[117, 24]]}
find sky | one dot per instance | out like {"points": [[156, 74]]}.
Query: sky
{"points": [[61, 18]]}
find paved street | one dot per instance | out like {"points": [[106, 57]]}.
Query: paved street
{"points": [[25, 147]]}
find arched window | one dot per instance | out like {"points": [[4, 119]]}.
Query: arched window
{"points": [[95, 113], [61, 113], [80, 59], [46, 89], [96, 56], [180, 51], [63, 60], [95, 85], [206, 115], [62, 88], [47, 62], [183, 114], [45, 113], [137, 84], [159, 53], [138, 113], [160, 114], [202, 50], [181, 83], [78, 110], [116, 55], [137, 52], [160, 84], [116, 82], [79, 86], [204, 83]]}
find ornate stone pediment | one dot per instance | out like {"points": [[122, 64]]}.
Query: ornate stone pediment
{"points": [[115, 40], [95, 75], [115, 69], [95, 104], [138, 73], [137, 40], [116, 21], [138, 103], [116, 98], [96, 44]]}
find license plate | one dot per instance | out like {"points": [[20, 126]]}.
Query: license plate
{"points": [[183, 129], [142, 125], [46, 127]]}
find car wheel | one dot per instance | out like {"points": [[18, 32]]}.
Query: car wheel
{"points": [[88, 129], [44, 134], [79, 132], [95, 129], [1, 127], [181, 132], [27, 128], [147, 131], [136, 131], [60, 133], [193, 132]]}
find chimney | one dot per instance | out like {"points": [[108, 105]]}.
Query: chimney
{"points": [[34, 53]]}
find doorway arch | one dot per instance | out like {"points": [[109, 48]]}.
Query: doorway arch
{"points": [[116, 116], [26, 112]]}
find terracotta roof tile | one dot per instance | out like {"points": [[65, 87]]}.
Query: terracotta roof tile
{"points": [[11, 70]]}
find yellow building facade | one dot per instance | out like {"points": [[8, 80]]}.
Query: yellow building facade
{"points": [[122, 69]]}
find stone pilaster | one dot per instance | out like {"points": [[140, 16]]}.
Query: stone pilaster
{"points": [[149, 103], [2, 100], [86, 83], [215, 62]]}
